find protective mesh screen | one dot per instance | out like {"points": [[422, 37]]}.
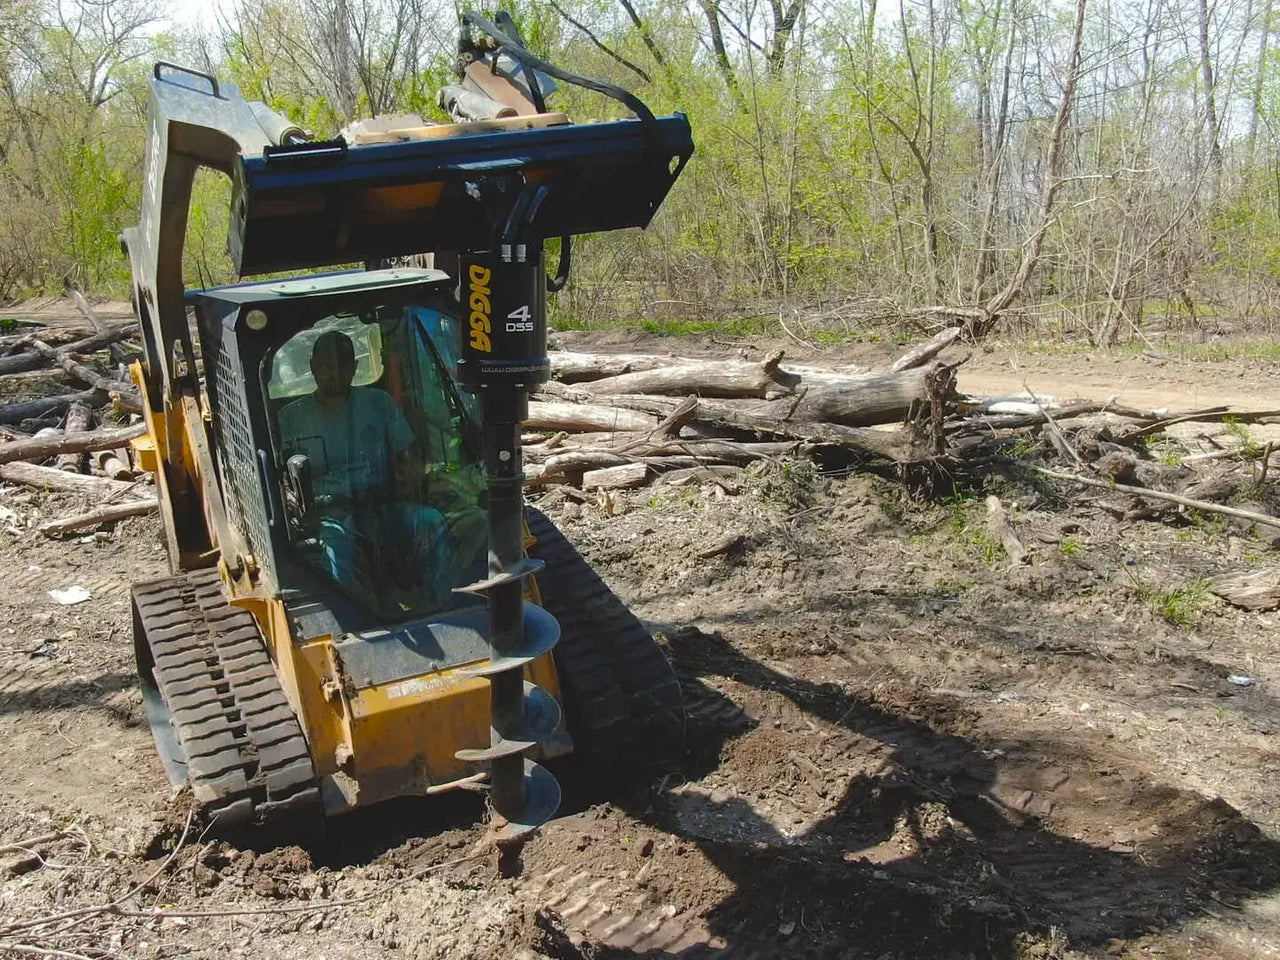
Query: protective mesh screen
{"points": [[240, 474]]}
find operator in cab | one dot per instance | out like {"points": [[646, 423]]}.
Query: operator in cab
{"points": [[360, 448]]}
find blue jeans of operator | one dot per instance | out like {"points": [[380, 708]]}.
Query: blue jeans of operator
{"points": [[401, 542]]}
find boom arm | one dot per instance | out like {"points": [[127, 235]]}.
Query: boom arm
{"points": [[194, 121]]}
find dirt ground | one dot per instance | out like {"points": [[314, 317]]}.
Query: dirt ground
{"points": [[898, 746]]}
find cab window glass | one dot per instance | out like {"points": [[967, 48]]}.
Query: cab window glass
{"points": [[379, 461], [291, 368]]}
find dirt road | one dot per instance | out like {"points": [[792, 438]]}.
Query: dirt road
{"points": [[898, 747]]}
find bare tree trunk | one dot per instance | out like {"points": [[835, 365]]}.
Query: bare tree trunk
{"points": [[1210, 97], [993, 168], [711, 9], [1255, 102], [51, 478], [107, 514], [1049, 189], [646, 35], [38, 448], [79, 420], [784, 21]]}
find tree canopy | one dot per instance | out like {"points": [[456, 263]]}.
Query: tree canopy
{"points": [[1085, 162]]}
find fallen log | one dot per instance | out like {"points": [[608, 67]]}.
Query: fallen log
{"points": [[132, 403], [569, 366], [33, 359], [545, 415], [926, 351], [112, 463], [727, 451], [34, 409], [118, 353], [38, 448], [82, 373], [625, 476], [79, 420], [538, 452], [49, 478], [1202, 505], [986, 422], [15, 342], [107, 514], [572, 367], [852, 401], [705, 378], [567, 467], [1210, 415], [745, 415], [1254, 590]]}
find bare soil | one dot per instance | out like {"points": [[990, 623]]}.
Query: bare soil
{"points": [[898, 746]]}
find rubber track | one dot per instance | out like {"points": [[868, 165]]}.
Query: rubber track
{"points": [[624, 702], [247, 759]]}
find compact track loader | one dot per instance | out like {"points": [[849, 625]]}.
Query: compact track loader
{"points": [[353, 613]]}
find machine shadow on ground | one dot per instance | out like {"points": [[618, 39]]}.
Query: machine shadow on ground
{"points": [[982, 889]]}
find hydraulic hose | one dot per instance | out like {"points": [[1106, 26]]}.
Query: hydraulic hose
{"points": [[521, 53]]}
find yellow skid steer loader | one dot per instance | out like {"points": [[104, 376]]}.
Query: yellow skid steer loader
{"points": [[361, 607]]}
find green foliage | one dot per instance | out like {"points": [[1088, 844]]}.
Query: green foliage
{"points": [[791, 484], [1164, 450], [1182, 606], [1248, 447], [971, 530], [851, 159]]}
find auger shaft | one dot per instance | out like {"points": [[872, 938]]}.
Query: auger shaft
{"points": [[504, 354], [502, 409]]}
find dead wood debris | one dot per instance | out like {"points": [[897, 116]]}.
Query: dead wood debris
{"points": [[616, 422], [75, 438], [608, 423]]}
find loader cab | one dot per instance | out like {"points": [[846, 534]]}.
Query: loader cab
{"points": [[351, 458]]}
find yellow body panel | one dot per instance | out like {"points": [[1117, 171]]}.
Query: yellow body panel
{"points": [[386, 740]]}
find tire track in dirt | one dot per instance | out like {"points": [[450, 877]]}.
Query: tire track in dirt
{"points": [[922, 834]]}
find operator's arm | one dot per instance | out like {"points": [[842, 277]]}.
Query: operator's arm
{"points": [[406, 469]]}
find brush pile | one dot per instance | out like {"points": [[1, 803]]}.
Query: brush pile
{"points": [[613, 422], [70, 414]]}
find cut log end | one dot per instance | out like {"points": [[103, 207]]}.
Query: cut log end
{"points": [[625, 476]]}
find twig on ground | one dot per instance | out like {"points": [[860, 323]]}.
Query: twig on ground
{"points": [[38, 951], [83, 913], [24, 845], [1201, 505], [115, 909], [1062, 442], [1209, 415]]}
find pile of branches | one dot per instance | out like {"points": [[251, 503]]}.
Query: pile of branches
{"points": [[76, 437], [618, 421], [611, 422]]}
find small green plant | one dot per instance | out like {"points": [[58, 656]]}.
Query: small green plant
{"points": [[952, 586], [1022, 446], [971, 533], [1070, 546], [792, 484], [1249, 447], [1160, 449], [1182, 606]]}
